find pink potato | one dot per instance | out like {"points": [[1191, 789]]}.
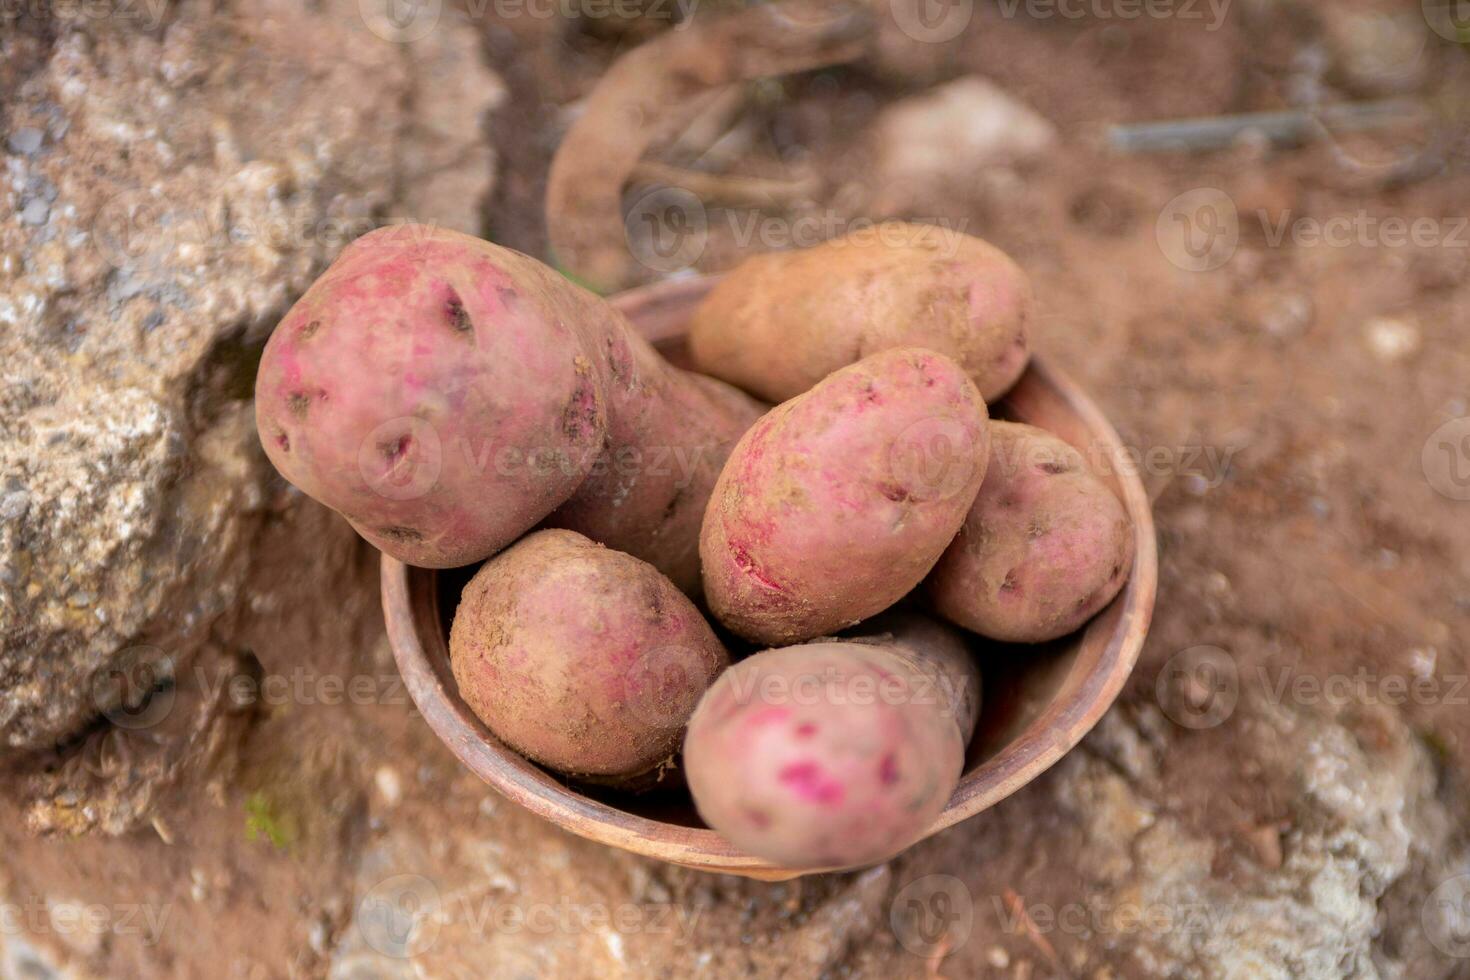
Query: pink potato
{"points": [[837, 503], [781, 322], [582, 658], [446, 395], [1044, 548], [822, 755]]}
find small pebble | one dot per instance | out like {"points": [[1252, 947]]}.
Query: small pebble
{"points": [[1285, 316], [1266, 842], [997, 957], [390, 787], [24, 141], [1422, 661], [1380, 54], [316, 937], [1392, 339], [36, 212], [13, 506]]}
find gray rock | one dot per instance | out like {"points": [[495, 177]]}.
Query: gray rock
{"points": [[1378, 54], [19, 960], [35, 212], [950, 134], [199, 178], [1363, 822], [13, 505], [25, 141]]}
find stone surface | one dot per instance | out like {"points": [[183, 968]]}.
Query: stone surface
{"points": [[464, 881], [1358, 824], [171, 191], [954, 132], [1379, 53]]}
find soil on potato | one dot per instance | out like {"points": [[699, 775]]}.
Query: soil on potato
{"points": [[1281, 404]]}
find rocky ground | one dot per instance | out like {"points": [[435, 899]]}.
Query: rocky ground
{"points": [[210, 768]]}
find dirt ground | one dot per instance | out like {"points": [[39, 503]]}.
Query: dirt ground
{"points": [[1308, 528]]}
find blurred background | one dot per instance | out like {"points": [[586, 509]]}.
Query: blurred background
{"points": [[1248, 225]]}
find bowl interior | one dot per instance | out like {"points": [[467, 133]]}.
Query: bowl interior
{"points": [[1038, 701]]}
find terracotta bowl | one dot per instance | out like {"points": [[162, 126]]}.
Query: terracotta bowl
{"points": [[1038, 701]]}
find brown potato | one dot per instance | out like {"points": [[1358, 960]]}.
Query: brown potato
{"points": [[1044, 548], [781, 322], [582, 658]]}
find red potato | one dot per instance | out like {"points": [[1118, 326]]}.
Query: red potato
{"points": [[825, 755], [582, 658], [781, 322], [837, 503], [1044, 548], [940, 655], [446, 395]]}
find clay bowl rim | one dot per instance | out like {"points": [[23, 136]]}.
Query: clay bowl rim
{"points": [[659, 310]]}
